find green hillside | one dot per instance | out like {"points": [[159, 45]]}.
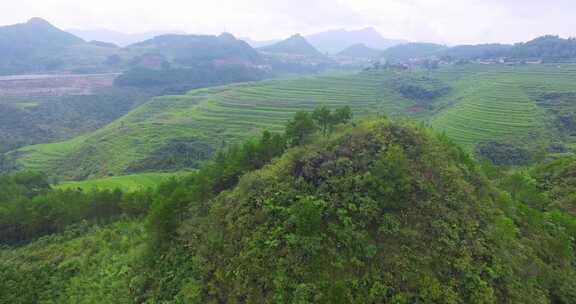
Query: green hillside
{"points": [[126, 183], [471, 103], [380, 213], [216, 115], [87, 264], [500, 102], [375, 211]]}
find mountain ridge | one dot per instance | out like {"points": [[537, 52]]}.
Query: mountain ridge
{"points": [[335, 41], [295, 45]]}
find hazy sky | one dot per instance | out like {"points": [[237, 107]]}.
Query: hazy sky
{"points": [[446, 21]]}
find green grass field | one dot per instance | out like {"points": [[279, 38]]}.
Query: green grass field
{"points": [[484, 103], [126, 183]]}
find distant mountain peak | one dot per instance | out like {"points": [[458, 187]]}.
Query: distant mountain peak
{"points": [[297, 37], [335, 41], [295, 45], [39, 22], [370, 29], [360, 50], [226, 35]]}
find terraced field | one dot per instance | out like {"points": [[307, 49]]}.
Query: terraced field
{"points": [[126, 183], [215, 115], [483, 103], [499, 102]]}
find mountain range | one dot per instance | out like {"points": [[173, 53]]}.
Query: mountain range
{"points": [[360, 51], [38, 46], [295, 45], [335, 41], [118, 38]]}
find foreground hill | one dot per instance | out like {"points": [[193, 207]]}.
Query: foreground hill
{"points": [[382, 213], [379, 212], [472, 103]]}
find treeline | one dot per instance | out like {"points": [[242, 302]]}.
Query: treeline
{"points": [[31, 208], [547, 48], [321, 224], [180, 80], [226, 167], [222, 173], [60, 118], [382, 213]]}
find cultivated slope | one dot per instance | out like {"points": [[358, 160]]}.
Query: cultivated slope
{"points": [[475, 103], [214, 116]]}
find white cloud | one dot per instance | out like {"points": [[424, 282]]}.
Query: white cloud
{"points": [[448, 21]]}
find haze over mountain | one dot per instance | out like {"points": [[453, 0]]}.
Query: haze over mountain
{"points": [[259, 44], [193, 49], [118, 38], [335, 41], [360, 51], [295, 45], [37, 32], [38, 45]]}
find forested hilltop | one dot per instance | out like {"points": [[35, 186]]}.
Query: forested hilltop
{"points": [[328, 211]]}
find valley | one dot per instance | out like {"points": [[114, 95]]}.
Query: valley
{"points": [[335, 167], [478, 103]]}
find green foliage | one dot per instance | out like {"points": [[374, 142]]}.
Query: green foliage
{"points": [[179, 81], [85, 264], [503, 154], [220, 174], [59, 118], [422, 89], [323, 118], [390, 176], [29, 208], [557, 181], [126, 183], [548, 48], [300, 127], [380, 213]]}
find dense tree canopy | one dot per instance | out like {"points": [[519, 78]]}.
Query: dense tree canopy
{"points": [[381, 212]]}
